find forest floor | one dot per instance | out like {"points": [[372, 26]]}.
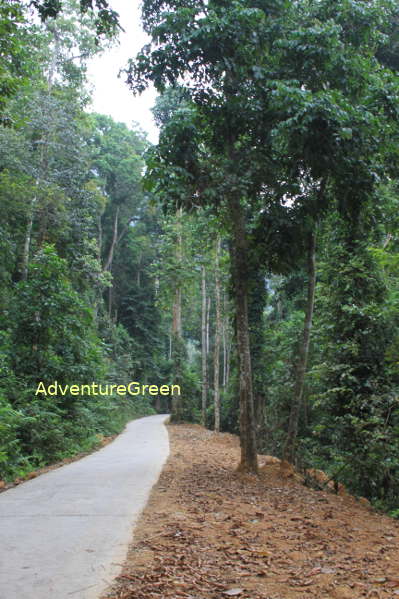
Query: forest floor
{"points": [[209, 532]]}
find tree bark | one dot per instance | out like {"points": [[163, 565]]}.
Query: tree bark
{"points": [[110, 300], [29, 225], [300, 371], [226, 342], [208, 312], [55, 53], [177, 328], [27, 241], [216, 365], [204, 348], [239, 257], [108, 264], [100, 239], [176, 313], [224, 345]]}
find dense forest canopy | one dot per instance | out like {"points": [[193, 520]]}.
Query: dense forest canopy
{"points": [[250, 257]]}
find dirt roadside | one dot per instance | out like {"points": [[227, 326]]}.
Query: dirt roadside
{"points": [[209, 532]]}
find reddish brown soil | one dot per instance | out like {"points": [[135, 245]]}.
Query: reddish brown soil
{"points": [[209, 532]]}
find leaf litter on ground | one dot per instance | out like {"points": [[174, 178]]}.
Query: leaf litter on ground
{"points": [[210, 532]]}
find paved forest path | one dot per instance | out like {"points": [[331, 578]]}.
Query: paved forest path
{"points": [[65, 534]]}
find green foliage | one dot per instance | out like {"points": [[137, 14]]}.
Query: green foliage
{"points": [[283, 322], [359, 422], [106, 19], [53, 329], [186, 406], [14, 56], [288, 108], [60, 171], [10, 450]]}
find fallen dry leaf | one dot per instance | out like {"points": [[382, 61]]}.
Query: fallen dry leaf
{"points": [[195, 539]]}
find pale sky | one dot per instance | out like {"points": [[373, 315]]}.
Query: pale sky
{"points": [[111, 95]]}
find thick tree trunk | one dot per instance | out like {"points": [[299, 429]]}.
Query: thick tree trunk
{"points": [[216, 366], [239, 251], [204, 348], [300, 371]]}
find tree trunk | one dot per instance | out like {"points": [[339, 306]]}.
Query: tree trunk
{"points": [[204, 349], [27, 241], [108, 264], [110, 302], [300, 371], [176, 313], [228, 354], [29, 224], [216, 366], [226, 342], [239, 257], [208, 312], [55, 52], [100, 239], [177, 329]]}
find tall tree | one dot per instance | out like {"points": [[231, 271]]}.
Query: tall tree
{"points": [[204, 346], [218, 329], [303, 353], [207, 66]]}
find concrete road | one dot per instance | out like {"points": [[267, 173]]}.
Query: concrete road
{"points": [[65, 534]]}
